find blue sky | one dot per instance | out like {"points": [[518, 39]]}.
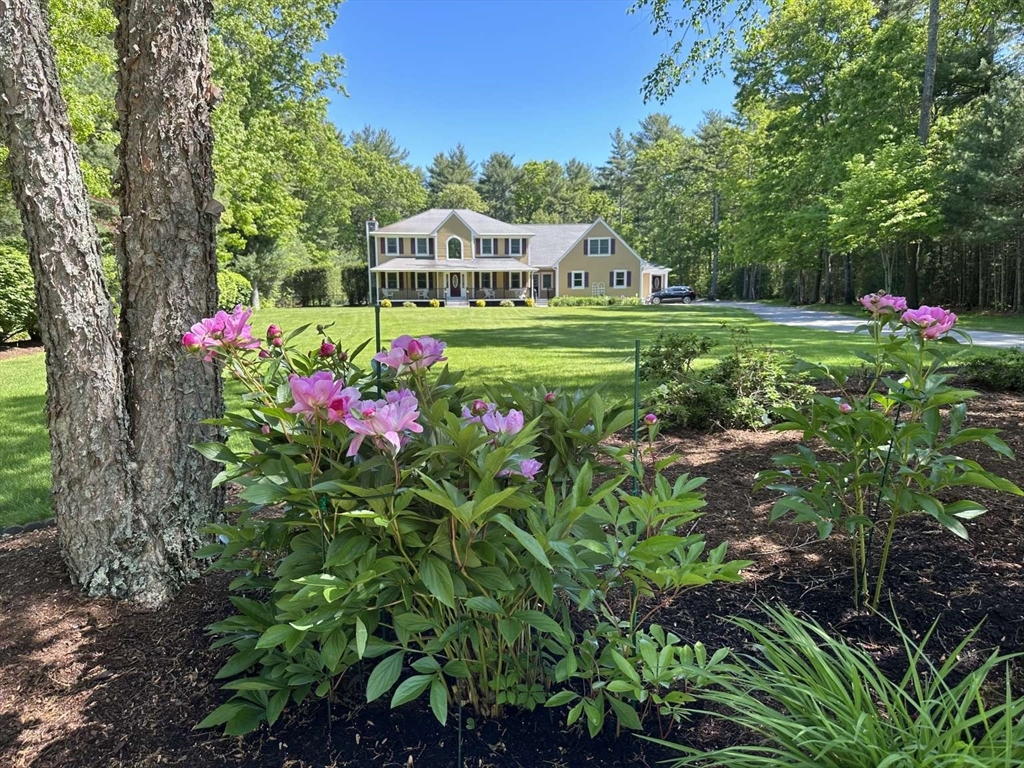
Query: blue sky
{"points": [[541, 79]]}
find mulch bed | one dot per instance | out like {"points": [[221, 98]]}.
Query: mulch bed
{"points": [[97, 683], [19, 349]]}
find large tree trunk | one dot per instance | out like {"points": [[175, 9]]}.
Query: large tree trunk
{"points": [[715, 215], [169, 264], [91, 485], [928, 82], [848, 293]]}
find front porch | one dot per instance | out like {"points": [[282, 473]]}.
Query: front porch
{"points": [[451, 281]]}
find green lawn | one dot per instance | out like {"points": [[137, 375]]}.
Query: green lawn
{"points": [[968, 321], [557, 347]]}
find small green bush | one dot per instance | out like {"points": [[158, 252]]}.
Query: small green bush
{"points": [[530, 302], [480, 303], [385, 303], [435, 303], [507, 303], [313, 286], [1002, 372], [233, 289], [17, 294], [409, 304], [741, 390], [815, 701]]}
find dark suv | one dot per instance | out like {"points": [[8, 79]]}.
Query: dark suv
{"points": [[682, 293]]}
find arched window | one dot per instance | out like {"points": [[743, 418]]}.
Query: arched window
{"points": [[454, 247]]}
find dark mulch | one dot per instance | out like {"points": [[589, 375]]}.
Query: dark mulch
{"points": [[19, 348], [96, 683]]}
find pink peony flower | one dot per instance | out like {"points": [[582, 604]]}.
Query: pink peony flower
{"points": [[222, 331], [845, 408], [511, 424], [933, 321], [650, 419], [314, 395], [883, 304], [409, 354], [384, 421], [327, 349], [529, 468]]}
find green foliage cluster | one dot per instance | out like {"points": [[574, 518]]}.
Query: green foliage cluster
{"points": [[872, 459], [816, 701], [1003, 371], [313, 286], [440, 563], [17, 294], [742, 389], [595, 301], [232, 289]]}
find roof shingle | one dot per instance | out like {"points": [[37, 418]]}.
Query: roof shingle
{"points": [[426, 223]]}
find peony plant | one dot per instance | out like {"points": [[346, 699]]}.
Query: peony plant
{"points": [[871, 458], [434, 538]]}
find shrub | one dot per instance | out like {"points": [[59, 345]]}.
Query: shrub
{"points": [[529, 302], [435, 303], [439, 540], [595, 301], [385, 302], [480, 303], [352, 278], [234, 289], [313, 286], [814, 701], [409, 304], [874, 458], [1003, 371], [507, 303], [740, 390], [17, 294]]}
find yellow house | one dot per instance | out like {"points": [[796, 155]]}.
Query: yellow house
{"points": [[458, 256]]}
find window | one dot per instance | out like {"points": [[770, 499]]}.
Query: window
{"points": [[485, 280], [620, 278], [515, 247], [422, 246], [421, 280], [390, 246], [599, 246], [454, 247], [577, 279], [487, 246], [545, 281], [391, 281], [515, 280]]}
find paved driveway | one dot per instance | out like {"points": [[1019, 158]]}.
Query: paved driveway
{"points": [[833, 321]]}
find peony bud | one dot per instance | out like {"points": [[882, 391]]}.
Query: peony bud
{"points": [[265, 429], [273, 332], [191, 342], [845, 408], [650, 419], [327, 349], [550, 397], [277, 341], [264, 354], [479, 408]]}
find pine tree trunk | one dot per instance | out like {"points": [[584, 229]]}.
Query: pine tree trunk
{"points": [[91, 485], [848, 292], [910, 281], [169, 264], [716, 203], [928, 82]]}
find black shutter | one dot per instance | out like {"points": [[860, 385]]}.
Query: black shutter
{"points": [[400, 251], [400, 282], [629, 277], [585, 246], [613, 246], [508, 251], [430, 246], [586, 279], [611, 279], [478, 246]]}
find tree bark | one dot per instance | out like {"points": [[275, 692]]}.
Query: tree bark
{"points": [[848, 293], [928, 82], [910, 281], [169, 265], [91, 489], [715, 215]]}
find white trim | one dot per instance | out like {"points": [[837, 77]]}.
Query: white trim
{"points": [[416, 248], [515, 240], [494, 243], [519, 277], [447, 248], [616, 273], [572, 280], [386, 251], [590, 246]]}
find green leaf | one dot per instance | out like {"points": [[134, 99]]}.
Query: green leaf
{"points": [[276, 705], [625, 714], [222, 714], [438, 579], [384, 675], [410, 689], [217, 452], [561, 698], [539, 621], [485, 605], [439, 700], [276, 635], [240, 662], [361, 635], [530, 544]]}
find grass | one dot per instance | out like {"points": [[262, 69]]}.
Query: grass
{"points": [[558, 347], [967, 320]]}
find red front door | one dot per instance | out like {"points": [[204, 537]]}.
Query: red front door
{"points": [[455, 289]]}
